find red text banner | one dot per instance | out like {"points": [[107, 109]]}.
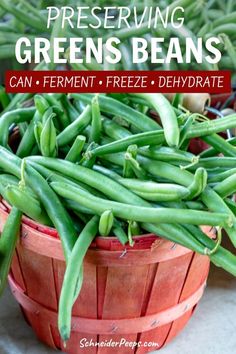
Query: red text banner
{"points": [[118, 81]]}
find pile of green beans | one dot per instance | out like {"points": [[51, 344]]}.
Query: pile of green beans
{"points": [[98, 165], [202, 19]]}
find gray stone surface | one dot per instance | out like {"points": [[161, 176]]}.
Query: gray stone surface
{"points": [[210, 331]]}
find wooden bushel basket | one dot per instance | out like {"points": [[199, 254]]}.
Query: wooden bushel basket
{"points": [[142, 295]]}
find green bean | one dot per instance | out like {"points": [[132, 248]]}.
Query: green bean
{"points": [[29, 8], [27, 204], [119, 232], [185, 129], [32, 21], [142, 139], [106, 222], [96, 121], [220, 145], [216, 162], [212, 151], [231, 204], [130, 232], [22, 128], [41, 104], [134, 166], [227, 187], [28, 140], [134, 230], [73, 275], [38, 127], [56, 106], [56, 212], [54, 99], [11, 38], [113, 190], [222, 258], [156, 137], [70, 110], [7, 179], [7, 51], [57, 177], [230, 18], [15, 116], [48, 143], [213, 126], [107, 172], [111, 106], [4, 98], [228, 29], [204, 30], [92, 178], [127, 169], [114, 130], [167, 154], [209, 197], [167, 116], [176, 234], [193, 204], [75, 128], [161, 197], [226, 62], [8, 242], [229, 48], [49, 112], [139, 213], [198, 185], [153, 187], [74, 154], [219, 177], [16, 101], [77, 208], [4, 26], [191, 242]]}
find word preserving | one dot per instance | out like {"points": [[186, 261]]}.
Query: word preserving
{"points": [[115, 17]]}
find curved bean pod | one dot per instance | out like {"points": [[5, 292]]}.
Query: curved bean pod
{"points": [[96, 125], [167, 116], [27, 204], [167, 154], [198, 185], [48, 142], [72, 274], [138, 213], [28, 140], [94, 179], [17, 116], [227, 187], [106, 223], [74, 154], [116, 108], [220, 145], [8, 241], [56, 212], [70, 133]]}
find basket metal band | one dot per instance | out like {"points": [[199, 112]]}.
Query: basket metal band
{"points": [[103, 326]]}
